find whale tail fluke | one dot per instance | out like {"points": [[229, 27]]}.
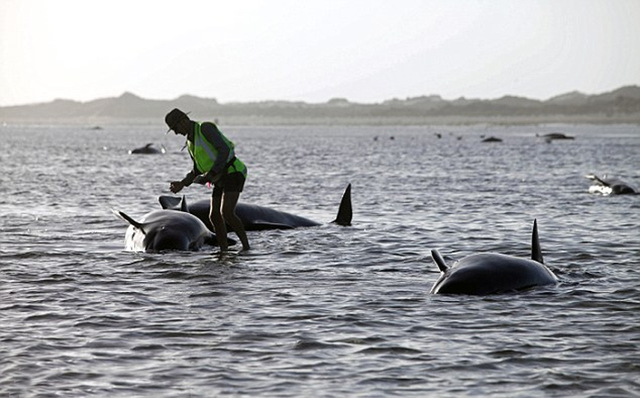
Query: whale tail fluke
{"points": [[536, 251], [169, 202], [345, 212], [129, 220], [437, 258], [173, 203]]}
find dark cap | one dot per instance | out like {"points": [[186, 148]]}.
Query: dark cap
{"points": [[174, 117]]}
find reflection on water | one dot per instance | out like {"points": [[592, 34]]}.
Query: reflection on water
{"points": [[327, 310]]}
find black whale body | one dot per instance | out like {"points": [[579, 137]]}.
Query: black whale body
{"points": [[491, 273], [148, 149], [611, 186], [161, 230], [259, 218], [556, 136]]}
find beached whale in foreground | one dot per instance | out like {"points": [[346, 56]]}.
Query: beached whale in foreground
{"points": [[162, 230], [610, 185], [259, 218], [490, 273]]}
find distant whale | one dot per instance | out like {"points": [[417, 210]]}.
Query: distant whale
{"points": [[147, 150], [258, 218], [610, 185], [162, 230], [490, 273], [555, 136]]}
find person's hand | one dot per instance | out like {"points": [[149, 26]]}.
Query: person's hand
{"points": [[176, 186]]}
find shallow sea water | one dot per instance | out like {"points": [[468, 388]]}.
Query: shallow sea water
{"points": [[324, 311]]}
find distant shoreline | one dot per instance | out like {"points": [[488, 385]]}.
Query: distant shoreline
{"points": [[619, 106]]}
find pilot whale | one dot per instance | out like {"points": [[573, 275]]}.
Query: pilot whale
{"points": [[491, 273], [147, 150], [162, 230], [610, 185], [259, 218]]}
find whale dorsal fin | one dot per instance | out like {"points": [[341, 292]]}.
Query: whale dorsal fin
{"points": [[345, 213], [536, 251], [183, 205], [437, 258], [130, 220]]}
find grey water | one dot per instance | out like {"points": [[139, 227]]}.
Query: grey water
{"points": [[325, 311]]}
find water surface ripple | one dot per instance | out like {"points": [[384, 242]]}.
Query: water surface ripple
{"points": [[323, 311]]}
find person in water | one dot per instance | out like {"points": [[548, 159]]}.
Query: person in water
{"points": [[214, 161]]}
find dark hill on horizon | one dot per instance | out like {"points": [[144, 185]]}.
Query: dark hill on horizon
{"points": [[618, 106]]}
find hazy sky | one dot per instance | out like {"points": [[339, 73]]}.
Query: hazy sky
{"points": [[315, 50]]}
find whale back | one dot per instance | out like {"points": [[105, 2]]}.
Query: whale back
{"points": [[611, 185], [162, 230], [492, 273], [259, 218]]}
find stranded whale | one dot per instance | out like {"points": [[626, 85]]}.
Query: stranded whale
{"points": [[549, 138], [610, 185], [490, 273], [148, 149], [258, 218], [166, 230]]}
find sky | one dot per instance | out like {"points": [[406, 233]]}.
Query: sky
{"points": [[366, 51]]}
